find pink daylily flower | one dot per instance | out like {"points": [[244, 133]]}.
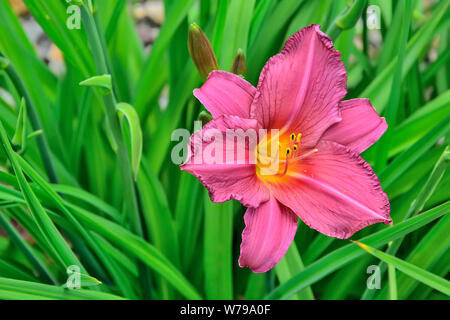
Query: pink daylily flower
{"points": [[321, 177]]}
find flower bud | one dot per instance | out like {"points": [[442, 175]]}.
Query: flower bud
{"points": [[239, 66], [201, 51], [19, 141], [204, 117]]}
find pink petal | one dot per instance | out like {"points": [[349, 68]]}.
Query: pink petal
{"points": [[228, 171], [361, 126], [333, 191], [269, 231], [300, 88], [226, 93]]}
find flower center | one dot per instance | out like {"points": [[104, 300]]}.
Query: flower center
{"points": [[274, 154]]}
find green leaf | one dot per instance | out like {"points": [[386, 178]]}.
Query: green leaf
{"points": [[290, 265], [256, 286], [401, 163], [158, 219], [61, 249], [22, 245], [75, 227], [188, 216], [237, 28], [171, 117], [53, 16], [419, 123], [376, 90], [218, 240], [341, 257], [85, 281], [103, 81], [88, 198], [9, 270], [17, 289], [127, 111], [413, 271], [140, 249], [267, 40], [426, 254], [395, 93], [152, 68], [427, 189], [393, 292]]}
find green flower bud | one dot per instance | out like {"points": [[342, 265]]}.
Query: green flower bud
{"points": [[204, 117], [239, 65], [19, 141], [201, 51]]}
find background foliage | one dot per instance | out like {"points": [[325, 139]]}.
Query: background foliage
{"points": [[68, 160]]}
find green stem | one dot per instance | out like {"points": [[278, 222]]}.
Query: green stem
{"points": [[41, 139], [130, 192]]}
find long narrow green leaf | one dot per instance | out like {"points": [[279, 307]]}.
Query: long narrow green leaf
{"points": [[217, 261], [407, 158], [419, 274], [290, 265], [338, 258], [15, 237], [136, 142], [62, 249], [150, 74], [16, 289], [377, 89], [138, 248]]}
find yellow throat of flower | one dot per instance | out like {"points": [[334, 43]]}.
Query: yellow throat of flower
{"points": [[275, 153]]}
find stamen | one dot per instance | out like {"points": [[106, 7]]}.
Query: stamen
{"points": [[298, 137], [295, 147], [286, 164], [306, 154]]}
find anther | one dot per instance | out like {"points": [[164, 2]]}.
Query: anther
{"points": [[288, 151], [292, 136], [298, 137]]}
